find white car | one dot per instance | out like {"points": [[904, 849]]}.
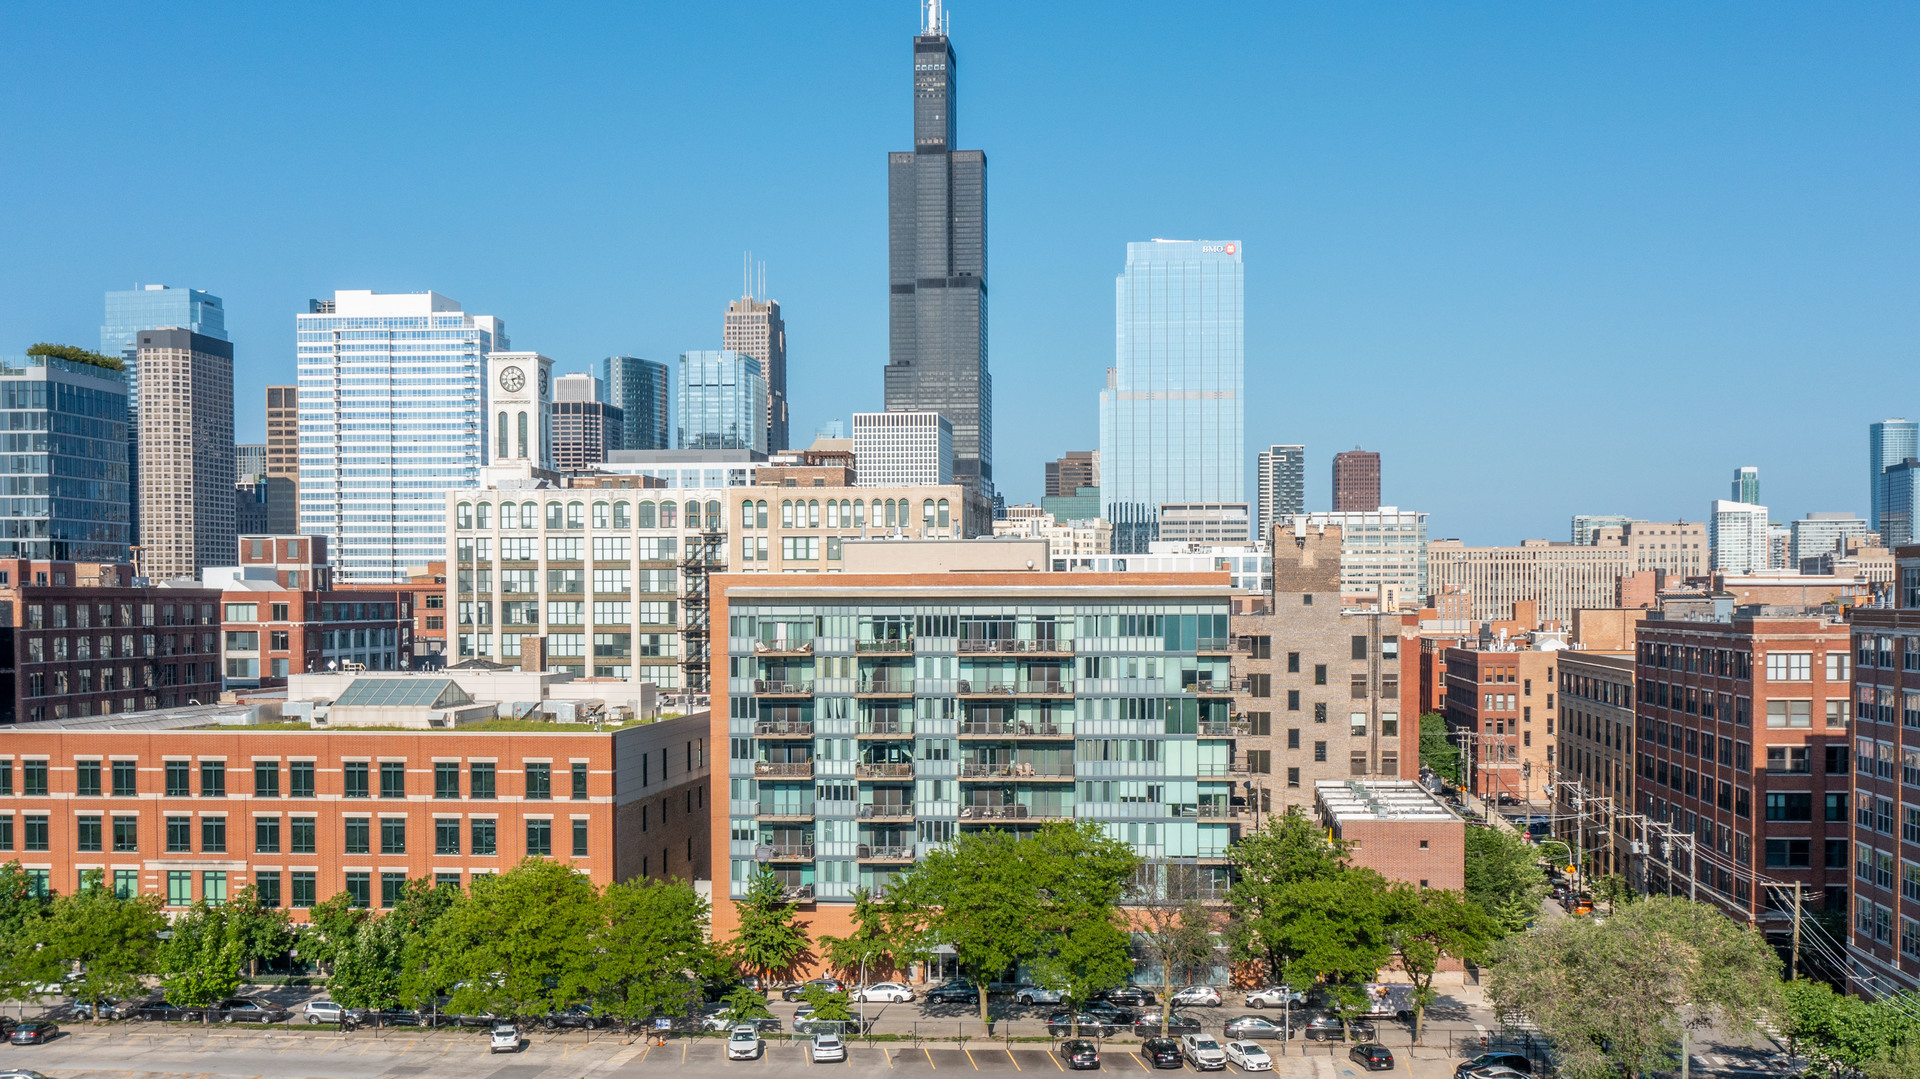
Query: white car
{"points": [[743, 1043], [323, 1011], [1196, 996], [1249, 1056], [887, 993], [827, 1048], [1035, 994], [1274, 996], [1203, 1052], [505, 1038]]}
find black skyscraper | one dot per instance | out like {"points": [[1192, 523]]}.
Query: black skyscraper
{"points": [[937, 267]]}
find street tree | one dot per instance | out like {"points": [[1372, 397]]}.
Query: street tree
{"points": [[1086, 956], [1437, 751], [422, 903], [828, 1006], [105, 943], [745, 1003], [1333, 929], [652, 949], [872, 948], [1846, 1032], [331, 926], [1426, 925], [1289, 850], [1621, 997], [199, 969], [21, 899], [770, 938], [1504, 878], [367, 969], [1176, 932], [977, 896], [520, 943]]}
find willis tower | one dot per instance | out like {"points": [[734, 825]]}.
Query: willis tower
{"points": [[937, 270]]}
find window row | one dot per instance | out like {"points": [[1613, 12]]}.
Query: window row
{"points": [[121, 779], [296, 835], [574, 515]]}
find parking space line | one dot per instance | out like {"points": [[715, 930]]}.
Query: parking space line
{"points": [[1015, 1063], [929, 1054], [1137, 1060], [1055, 1059], [970, 1060]]}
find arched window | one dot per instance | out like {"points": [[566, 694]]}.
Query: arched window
{"points": [[501, 453], [576, 515], [509, 515], [556, 515], [529, 515], [859, 513], [746, 514], [833, 514], [668, 512], [620, 518], [926, 513], [693, 515], [946, 520], [714, 519], [760, 514], [891, 521], [846, 513], [463, 515], [602, 515], [643, 515], [523, 436], [786, 514], [813, 514], [483, 514]]}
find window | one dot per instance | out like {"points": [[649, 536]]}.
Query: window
{"points": [[1789, 713], [126, 834], [1293, 700], [1789, 807], [446, 836], [126, 883], [266, 835], [539, 780], [481, 834], [359, 835], [301, 835], [266, 779], [179, 887], [86, 779], [579, 781], [300, 779], [304, 889], [356, 779], [179, 775], [1319, 751], [393, 835], [125, 779], [480, 781], [1293, 777], [213, 886], [579, 839], [392, 886], [1837, 807], [86, 830], [359, 889], [179, 835], [1789, 853], [266, 887], [213, 835], [1293, 663], [1293, 738], [1789, 666], [446, 779], [1319, 674], [393, 779], [1786, 758], [1359, 646]]}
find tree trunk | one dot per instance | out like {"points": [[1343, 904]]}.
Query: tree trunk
{"points": [[981, 988]]}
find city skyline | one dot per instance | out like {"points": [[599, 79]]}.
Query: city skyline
{"points": [[1310, 317]]}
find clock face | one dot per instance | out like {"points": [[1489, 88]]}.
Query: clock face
{"points": [[512, 379], [543, 382]]}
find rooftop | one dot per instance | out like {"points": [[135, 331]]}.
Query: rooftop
{"points": [[1347, 801]]}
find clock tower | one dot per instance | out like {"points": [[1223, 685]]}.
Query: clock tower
{"points": [[519, 400]]}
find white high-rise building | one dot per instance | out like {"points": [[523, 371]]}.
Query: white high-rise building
{"points": [[1384, 547], [1738, 534], [393, 405], [902, 449], [1283, 484]]}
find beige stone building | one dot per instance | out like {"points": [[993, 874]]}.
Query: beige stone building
{"points": [[186, 453], [774, 527], [1561, 577]]}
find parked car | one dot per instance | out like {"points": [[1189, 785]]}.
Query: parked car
{"points": [[1274, 996], [1324, 1026], [1249, 1056], [6, 1027], [743, 1043], [322, 1011], [831, 985], [953, 992], [1061, 1025], [1080, 1053], [1127, 996], [108, 1008], [248, 1010], [1487, 1061], [1196, 996], [161, 1011], [504, 1038], [827, 1048], [887, 993], [1374, 1058], [1111, 1012], [1203, 1052], [386, 1017], [1161, 1052], [20, 1073], [1497, 1072], [575, 1017], [1255, 1026], [1148, 1025], [1035, 994], [34, 1032]]}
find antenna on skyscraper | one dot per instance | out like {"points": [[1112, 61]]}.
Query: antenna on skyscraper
{"points": [[746, 274], [761, 286], [932, 19]]}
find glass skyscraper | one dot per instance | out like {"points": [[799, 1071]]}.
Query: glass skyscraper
{"points": [[1172, 415], [63, 426], [393, 395], [1889, 442], [723, 402], [937, 267], [639, 389]]}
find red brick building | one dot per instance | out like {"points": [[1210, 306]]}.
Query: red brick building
{"points": [[81, 639], [188, 808], [1745, 732], [283, 617], [426, 590], [1499, 710], [1885, 952], [1397, 829]]}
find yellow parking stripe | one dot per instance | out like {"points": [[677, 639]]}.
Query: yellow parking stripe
{"points": [[1142, 1063], [930, 1062], [1055, 1059], [970, 1060], [1015, 1063]]}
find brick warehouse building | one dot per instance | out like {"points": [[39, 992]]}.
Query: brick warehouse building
{"points": [[80, 639], [182, 806], [1885, 952], [1499, 704], [282, 616], [1744, 739]]}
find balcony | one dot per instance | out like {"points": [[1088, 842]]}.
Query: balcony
{"points": [[899, 647], [1021, 648], [1218, 686], [783, 647], [886, 728], [765, 688], [1224, 728], [886, 812], [885, 687], [1235, 766], [1011, 812], [884, 770], [967, 688], [782, 769], [875, 853], [1217, 812], [797, 893], [783, 728], [1219, 644], [1048, 687], [1240, 644], [783, 852], [777, 812], [971, 770], [1014, 728]]}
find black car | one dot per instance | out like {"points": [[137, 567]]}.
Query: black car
{"points": [[793, 992], [577, 1017], [1374, 1058], [1515, 1061], [387, 1017], [1325, 1027], [1148, 1025], [34, 1032], [1080, 1054], [1255, 1027], [1062, 1025], [1127, 996], [160, 1011], [1114, 1014], [6, 1026], [954, 992], [1161, 1052]]}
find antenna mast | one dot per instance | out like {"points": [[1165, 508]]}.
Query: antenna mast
{"points": [[933, 20]]}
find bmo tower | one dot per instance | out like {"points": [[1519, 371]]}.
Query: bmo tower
{"points": [[937, 268]]}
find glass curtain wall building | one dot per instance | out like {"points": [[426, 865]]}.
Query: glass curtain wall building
{"points": [[1889, 442], [869, 724], [393, 397], [64, 480], [1172, 416], [723, 402], [638, 388]]}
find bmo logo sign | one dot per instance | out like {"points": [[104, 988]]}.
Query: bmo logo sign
{"points": [[1212, 249]]}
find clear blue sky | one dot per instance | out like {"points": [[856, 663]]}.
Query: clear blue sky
{"points": [[1547, 258]]}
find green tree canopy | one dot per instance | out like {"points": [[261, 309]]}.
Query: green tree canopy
{"points": [[872, 948], [76, 354], [521, 943], [107, 944], [770, 938], [653, 949], [1426, 925], [1176, 933], [1504, 877], [1437, 751]]}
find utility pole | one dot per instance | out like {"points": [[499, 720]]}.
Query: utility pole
{"points": [[1793, 963]]}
